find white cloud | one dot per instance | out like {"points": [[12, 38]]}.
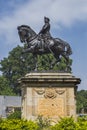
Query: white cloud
{"points": [[65, 12]]}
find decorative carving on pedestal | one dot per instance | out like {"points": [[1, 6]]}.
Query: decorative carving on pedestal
{"points": [[60, 91], [51, 107], [39, 91], [49, 92]]}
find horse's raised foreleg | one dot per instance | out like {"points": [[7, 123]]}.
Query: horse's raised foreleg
{"points": [[68, 67], [31, 49]]}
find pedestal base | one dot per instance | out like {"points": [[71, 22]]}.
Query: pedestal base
{"points": [[48, 94]]}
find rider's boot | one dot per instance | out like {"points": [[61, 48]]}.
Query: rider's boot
{"points": [[42, 46]]}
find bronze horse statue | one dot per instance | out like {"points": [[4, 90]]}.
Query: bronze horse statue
{"points": [[38, 45]]}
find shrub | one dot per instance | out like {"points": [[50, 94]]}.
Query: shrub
{"points": [[65, 124], [15, 115], [43, 122], [16, 124], [82, 123]]}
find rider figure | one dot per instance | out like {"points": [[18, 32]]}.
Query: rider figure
{"points": [[44, 33]]}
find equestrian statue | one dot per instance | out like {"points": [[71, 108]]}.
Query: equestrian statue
{"points": [[44, 43]]}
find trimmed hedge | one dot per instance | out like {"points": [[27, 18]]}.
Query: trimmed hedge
{"points": [[43, 124], [16, 124]]}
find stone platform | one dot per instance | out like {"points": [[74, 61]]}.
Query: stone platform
{"points": [[52, 95]]}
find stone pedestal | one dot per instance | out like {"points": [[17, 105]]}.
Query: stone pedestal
{"points": [[52, 95]]}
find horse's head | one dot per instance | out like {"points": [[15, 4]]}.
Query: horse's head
{"points": [[25, 33]]}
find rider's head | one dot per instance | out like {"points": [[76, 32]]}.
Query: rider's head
{"points": [[46, 20]]}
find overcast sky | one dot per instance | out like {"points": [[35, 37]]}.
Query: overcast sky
{"points": [[68, 22]]}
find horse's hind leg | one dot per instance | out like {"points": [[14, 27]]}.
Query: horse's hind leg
{"points": [[35, 62], [56, 61], [68, 67], [52, 64]]}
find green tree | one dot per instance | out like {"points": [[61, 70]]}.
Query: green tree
{"points": [[82, 101], [17, 65], [45, 61], [5, 87]]}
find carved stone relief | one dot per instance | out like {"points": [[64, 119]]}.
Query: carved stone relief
{"points": [[49, 92]]}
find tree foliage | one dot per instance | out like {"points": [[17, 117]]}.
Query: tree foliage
{"points": [[5, 87], [44, 63], [17, 65], [82, 101]]}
